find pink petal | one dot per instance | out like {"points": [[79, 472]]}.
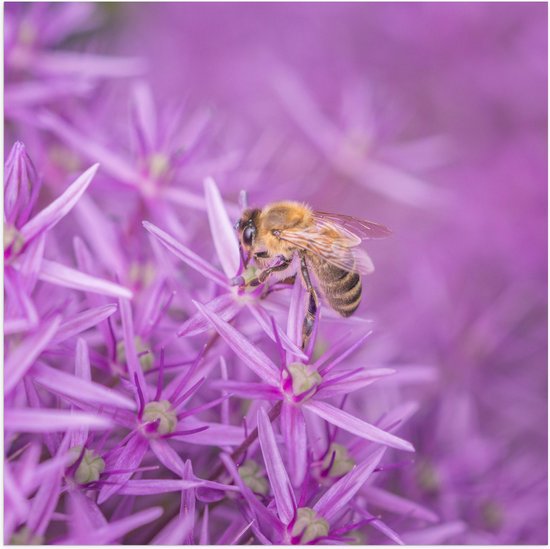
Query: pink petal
{"points": [[224, 305], [148, 487], [58, 274], [175, 532], [248, 389], [113, 164], [80, 389], [353, 425], [111, 532], [333, 386], [24, 355], [435, 535], [217, 434], [129, 458], [278, 478], [132, 361], [296, 314], [82, 370], [264, 320], [251, 356], [60, 207], [168, 456], [86, 64], [32, 261], [293, 428], [101, 234], [83, 321], [144, 117], [255, 506], [42, 420], [223, 233], [339, 494], [186, 255], [397, 504]]}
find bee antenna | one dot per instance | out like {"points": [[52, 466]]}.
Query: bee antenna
{"points": [[243, 200]]}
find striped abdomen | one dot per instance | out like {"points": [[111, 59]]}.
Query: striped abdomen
{"points": [[342, 289]]}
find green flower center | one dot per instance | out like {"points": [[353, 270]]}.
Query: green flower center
{"points": [[146, 360], [90, 467], [159, 164], [302, 378], [309, 526], [492, 515], [428, 477], [13, 239], [253, 477], [142, 274], [341, 464], [162, 411], [24, 536]]}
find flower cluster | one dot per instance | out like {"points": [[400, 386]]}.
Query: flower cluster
{"points": [[149, 399]]}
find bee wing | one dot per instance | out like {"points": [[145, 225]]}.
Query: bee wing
{"points": [[331, 243], [360, 228]]}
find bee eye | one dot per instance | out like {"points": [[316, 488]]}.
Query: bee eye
{"points": [[248, 235]]}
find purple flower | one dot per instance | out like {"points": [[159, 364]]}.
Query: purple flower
{"points": [[152, 397]]}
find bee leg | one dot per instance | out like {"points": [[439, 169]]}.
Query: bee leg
{"points": [[312, 307], [262, 276]]}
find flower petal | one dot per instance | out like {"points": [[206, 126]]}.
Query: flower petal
{"points": [[293, 428], [340, 493], [175, 532], [186, 255], [116, 529], [89, 65], [252, 357], [83, 321], [59, 208], [58, 274], [113, 164], [128, 459], [80, 389], [264, 320], [132, 361], [396, 504], [42, 420], [353, 425], [151, 486], [24, 355], [224, 305], [168, 456], [435, 535], [340, 383], [278, 478], [223, 232]]}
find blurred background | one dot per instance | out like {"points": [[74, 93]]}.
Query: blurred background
{"points": [[428, 118]]}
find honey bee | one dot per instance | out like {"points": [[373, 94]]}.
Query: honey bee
{"points": [[285, 238]]}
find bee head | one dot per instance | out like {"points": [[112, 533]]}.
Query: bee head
{"points": [[247, 227]]}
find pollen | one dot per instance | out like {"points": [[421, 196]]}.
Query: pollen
{"points": [[159, 164], [161, 411], [303, 379], [337, 462], [90, 467], [308, 526], [13, 239], [145, 357], [253, 477]]}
